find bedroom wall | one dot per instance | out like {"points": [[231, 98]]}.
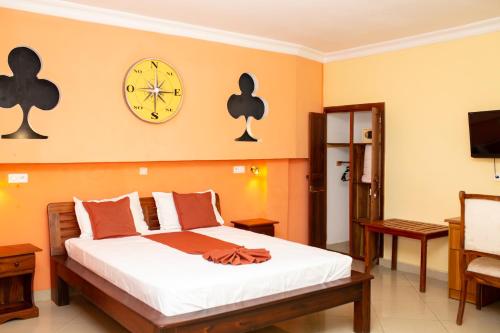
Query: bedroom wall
{"points": [[428, 91], [92, 123], [96, 145]]}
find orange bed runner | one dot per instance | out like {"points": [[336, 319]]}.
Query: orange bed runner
{"points": [[212, 249]]}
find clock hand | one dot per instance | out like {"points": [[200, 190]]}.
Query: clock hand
{"points": [[156, 78], [155, 96], [150, 88]]}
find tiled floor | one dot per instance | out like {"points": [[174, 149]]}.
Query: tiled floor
{"points": [[397, 307]]}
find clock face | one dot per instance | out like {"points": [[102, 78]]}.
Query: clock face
{"points": [[153, 90]]}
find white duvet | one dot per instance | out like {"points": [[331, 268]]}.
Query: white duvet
{"points": [[174, 282]]}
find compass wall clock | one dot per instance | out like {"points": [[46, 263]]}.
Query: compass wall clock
{"points": [[153, 90]]}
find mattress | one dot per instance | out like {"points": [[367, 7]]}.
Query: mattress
{"points": [[174, 282]]}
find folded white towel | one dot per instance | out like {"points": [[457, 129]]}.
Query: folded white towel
{"points": [[367, 165]]}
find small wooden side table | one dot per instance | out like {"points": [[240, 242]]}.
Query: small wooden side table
{"points": [[260, 226], [404, 228], [17, 269]]}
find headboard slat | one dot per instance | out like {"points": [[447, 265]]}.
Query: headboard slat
{"points": [[63, 224]]}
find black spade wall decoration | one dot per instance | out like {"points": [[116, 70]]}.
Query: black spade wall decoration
{"points": [[247, 105], [25, 89]]}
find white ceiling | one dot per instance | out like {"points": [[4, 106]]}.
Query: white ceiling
{"points": [[323, 25]]}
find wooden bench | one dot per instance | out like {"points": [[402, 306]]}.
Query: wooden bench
{"points": [[404, 228]]}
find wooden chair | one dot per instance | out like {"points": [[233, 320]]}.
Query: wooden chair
{"points": [[480, 244]]}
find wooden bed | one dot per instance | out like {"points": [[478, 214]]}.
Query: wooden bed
{"points": [[138, 317]]}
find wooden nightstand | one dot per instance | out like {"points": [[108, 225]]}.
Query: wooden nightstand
{"points": [[17, 269], [260, 226]]}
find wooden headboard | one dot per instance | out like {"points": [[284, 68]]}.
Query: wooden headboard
{"points": [[63, 224]]}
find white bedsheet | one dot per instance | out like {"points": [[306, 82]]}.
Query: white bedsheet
{"points": [[174, 282]]}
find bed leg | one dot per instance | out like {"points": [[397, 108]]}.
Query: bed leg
{"points": [[59, 289], [362, 310]]}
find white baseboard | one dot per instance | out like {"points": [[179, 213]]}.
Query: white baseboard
{"points": [[409, 268]]}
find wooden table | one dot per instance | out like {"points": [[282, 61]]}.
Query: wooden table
{"points": [[17, 269], [261, 226], [404, 228]]}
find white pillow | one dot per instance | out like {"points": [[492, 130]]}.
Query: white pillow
{"points": [[83, 218], [167, 214]]}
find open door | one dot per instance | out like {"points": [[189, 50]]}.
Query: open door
{"points": [[376, 195], [376, 191], [317, 179]]}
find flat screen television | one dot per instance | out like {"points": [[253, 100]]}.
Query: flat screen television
{"points": [[484, 132]]}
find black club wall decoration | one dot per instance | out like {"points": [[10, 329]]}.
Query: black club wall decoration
{"points": [[247, 105], [26, 89]]}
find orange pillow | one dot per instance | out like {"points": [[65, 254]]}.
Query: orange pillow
{"points": [[111, 218], [195, 210]]}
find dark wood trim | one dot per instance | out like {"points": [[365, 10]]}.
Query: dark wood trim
{"points": [[364, 107], [317, 180], [351, 192], [354, 107], [246, 316]]}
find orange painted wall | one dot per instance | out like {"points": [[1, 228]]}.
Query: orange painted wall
{"points": [[96, 145], [92, 122]]}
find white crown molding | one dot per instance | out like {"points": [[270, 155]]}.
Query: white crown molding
{"points": [[92, 14], [133, 21], [472, 29]]}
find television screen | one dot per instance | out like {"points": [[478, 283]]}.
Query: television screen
{"points": [[484, 131]]}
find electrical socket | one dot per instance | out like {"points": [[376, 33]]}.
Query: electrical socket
{"points": [[18, 178], [239, 169]]}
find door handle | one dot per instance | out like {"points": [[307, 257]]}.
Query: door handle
{"points": [[374, 193]]}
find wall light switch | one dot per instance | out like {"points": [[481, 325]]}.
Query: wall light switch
{"points": [[18, 178], [143, 171], [239, 169]]}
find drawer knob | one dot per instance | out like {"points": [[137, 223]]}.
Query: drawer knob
{"points": [[16, 264]]}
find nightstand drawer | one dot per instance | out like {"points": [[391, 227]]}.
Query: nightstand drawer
{"points": [[263, 229], [16, 264]]}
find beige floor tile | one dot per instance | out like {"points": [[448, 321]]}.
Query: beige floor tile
{"points": [[50, 320], [396, 325], [100, 324], [386, 277], [394, 293], [472, 324], [43, 324], [409, 308], [446, 309]]}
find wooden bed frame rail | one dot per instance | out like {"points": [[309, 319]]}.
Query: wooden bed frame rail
{"points": [[138, 317]]}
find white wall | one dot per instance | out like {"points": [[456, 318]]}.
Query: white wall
{"points": [[337, 216], [337, 125]]}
